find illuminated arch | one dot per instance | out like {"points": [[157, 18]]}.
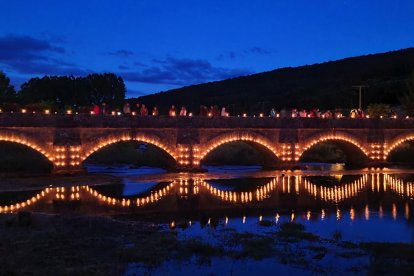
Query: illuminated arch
{"points": [[398, 141], [155, 196], [139, 138], [241, 197], [25, 142], [336, 193], [234, 137], [17, 206], [333, 137]]}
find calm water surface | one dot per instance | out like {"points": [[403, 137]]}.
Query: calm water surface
{"points": [[364, 205]]}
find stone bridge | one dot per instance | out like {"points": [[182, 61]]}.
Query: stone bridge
{"points": [[67, 140]]}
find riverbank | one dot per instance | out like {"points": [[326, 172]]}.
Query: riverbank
{"points": [[54, 244]]}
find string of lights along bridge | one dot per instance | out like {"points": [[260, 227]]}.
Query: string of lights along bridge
{"points": [[68, 140]]}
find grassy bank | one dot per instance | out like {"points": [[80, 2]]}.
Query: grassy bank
{"points": [[74, 245]]}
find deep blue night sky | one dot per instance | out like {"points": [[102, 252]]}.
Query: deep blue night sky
{"points": [[157, 45]]}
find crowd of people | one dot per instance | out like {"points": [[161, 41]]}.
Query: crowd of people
{"points": [[140, 109]]}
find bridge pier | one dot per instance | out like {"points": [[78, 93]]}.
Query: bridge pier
{"points": [[67, 159]]}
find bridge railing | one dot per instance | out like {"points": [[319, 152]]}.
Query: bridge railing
{"points": [[110, 121]]}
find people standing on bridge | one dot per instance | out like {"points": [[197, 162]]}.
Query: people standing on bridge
{"points": [[127, 109], [143, 111], [138, 108], [183, 111], [224, 113], [203, 111], [103, 108], [172, 112], [155, 111], [95, 109], [327, 114]]}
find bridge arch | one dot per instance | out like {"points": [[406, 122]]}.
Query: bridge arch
{"points": [[336, 193], [150, 139], [347, 143], [397, 142], [26, 142], [252, 138], [258, 194]]}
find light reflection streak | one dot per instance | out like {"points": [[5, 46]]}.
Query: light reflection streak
{"points": [[185, 187]]}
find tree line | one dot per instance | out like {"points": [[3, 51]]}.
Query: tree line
{"points": [[63, 92]]}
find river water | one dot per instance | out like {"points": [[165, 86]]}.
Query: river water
{"points": [[363, 205]]}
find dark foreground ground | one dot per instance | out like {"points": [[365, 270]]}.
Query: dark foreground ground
{"points": [[83, 245]]}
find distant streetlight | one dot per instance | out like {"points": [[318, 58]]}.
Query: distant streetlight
{"points": [[360, 93]]}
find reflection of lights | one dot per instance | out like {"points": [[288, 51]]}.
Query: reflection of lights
{"points": [[335, 193], [398, 186], [125, 202], [352, 214], [277, 217], [366, 212], [308, 215], [28, 202], [242, 197], [292, 217], [323, 214], [244, 219], [394, 211]]}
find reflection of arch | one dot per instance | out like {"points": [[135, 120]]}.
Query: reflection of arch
{"points": [[30, 201], [396, 143], [335, 138], [23, 141], [141, 138], [139, 201], [234, 137], [398, 186], [336, 193], [242, 197]]}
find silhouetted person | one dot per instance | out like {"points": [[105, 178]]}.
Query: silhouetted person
{"points": [[172, 111], [154, 111], [103, 108], [183, 111]]}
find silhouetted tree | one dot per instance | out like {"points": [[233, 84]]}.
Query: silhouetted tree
{"points": [[106, 88], [7, 92], [64, 91]]}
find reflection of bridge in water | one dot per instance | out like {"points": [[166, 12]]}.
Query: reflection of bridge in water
{"points": [[185, 189]]}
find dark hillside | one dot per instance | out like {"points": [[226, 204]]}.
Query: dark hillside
{"points": [[326, 85]]}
